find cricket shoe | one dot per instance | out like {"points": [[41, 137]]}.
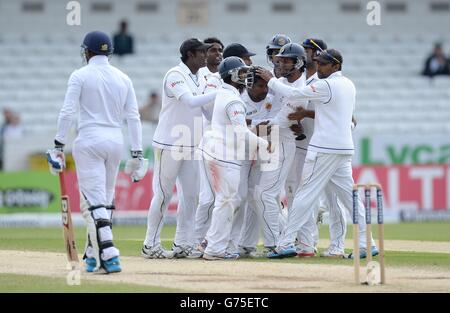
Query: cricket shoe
{"points": [[90, 264], [181, 251], [332, 252], [280, 253], [156, 252], [195, 253], [306, 253], [363, 253], [247, 252], [112, 265], [305, 249], [225, 256]]}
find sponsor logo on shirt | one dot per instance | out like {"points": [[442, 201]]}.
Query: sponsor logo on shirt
{"points": [[211, 86], [252, 112], [176, 83], [268, 106], [235, 113]]}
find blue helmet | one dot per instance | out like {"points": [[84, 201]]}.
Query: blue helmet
{"points": [[277, 41], [98, 42], [296, 52], [234, 66]]}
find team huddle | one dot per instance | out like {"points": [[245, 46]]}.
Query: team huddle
{"points": [[233, 137]]}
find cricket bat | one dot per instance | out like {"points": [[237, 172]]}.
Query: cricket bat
{"points": [[69, 236]]}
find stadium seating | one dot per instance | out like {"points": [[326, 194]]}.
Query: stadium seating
{"points": [[385, 67]]}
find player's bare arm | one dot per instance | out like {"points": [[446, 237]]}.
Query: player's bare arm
{"points": [[301, 113], [264, 73], [297, 129]]}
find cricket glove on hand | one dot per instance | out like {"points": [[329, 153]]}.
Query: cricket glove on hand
{"points": [[56, 159], [137, 166]]}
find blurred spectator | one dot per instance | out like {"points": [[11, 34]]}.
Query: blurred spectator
{"points": [[11, 128], [150, 111], [123, 42], [437, 63]]}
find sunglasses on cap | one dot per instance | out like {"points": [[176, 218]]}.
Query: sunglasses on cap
{"points": [[320, 51]]}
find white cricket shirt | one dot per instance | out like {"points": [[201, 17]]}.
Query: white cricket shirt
{"points": [[213, 83], [258, 111], [334, 102], [104, 96], [285, 108], [228, 126], [307, 123], [179, 126]]}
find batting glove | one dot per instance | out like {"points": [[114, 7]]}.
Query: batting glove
{"points": [[137, 166], [56, 159]]}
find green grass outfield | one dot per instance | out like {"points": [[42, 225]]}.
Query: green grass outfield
{"points": [[32, 283], [129, 240]]}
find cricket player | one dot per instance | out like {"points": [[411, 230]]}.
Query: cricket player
{"points": [[307, 126], [221, 148], [291, 64], [238, 50], [176, 137], [206, 195], [104, 96], [273, 48], [329, 156], [260, 108], [337, 218]]}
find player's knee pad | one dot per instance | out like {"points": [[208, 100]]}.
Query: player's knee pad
{"points": [[102, 227]]}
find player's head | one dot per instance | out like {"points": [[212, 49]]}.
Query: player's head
{"points": [[214, 54], [193, 52], [291, 59], [312, 47], [328, 62], [238, 50], [274, 46], [235, 72], [96, 43], [259, 89]]}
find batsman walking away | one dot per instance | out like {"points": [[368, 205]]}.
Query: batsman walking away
{"points": [[104, 96]]}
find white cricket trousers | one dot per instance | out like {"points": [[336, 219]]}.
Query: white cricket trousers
{"points": [[97, 160], [205, 204], [320, 170], [245, 204], [309, 232], [224, 176], [167, 171], [250, 229], [295, 175], [337, 220], [268, 189]]}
